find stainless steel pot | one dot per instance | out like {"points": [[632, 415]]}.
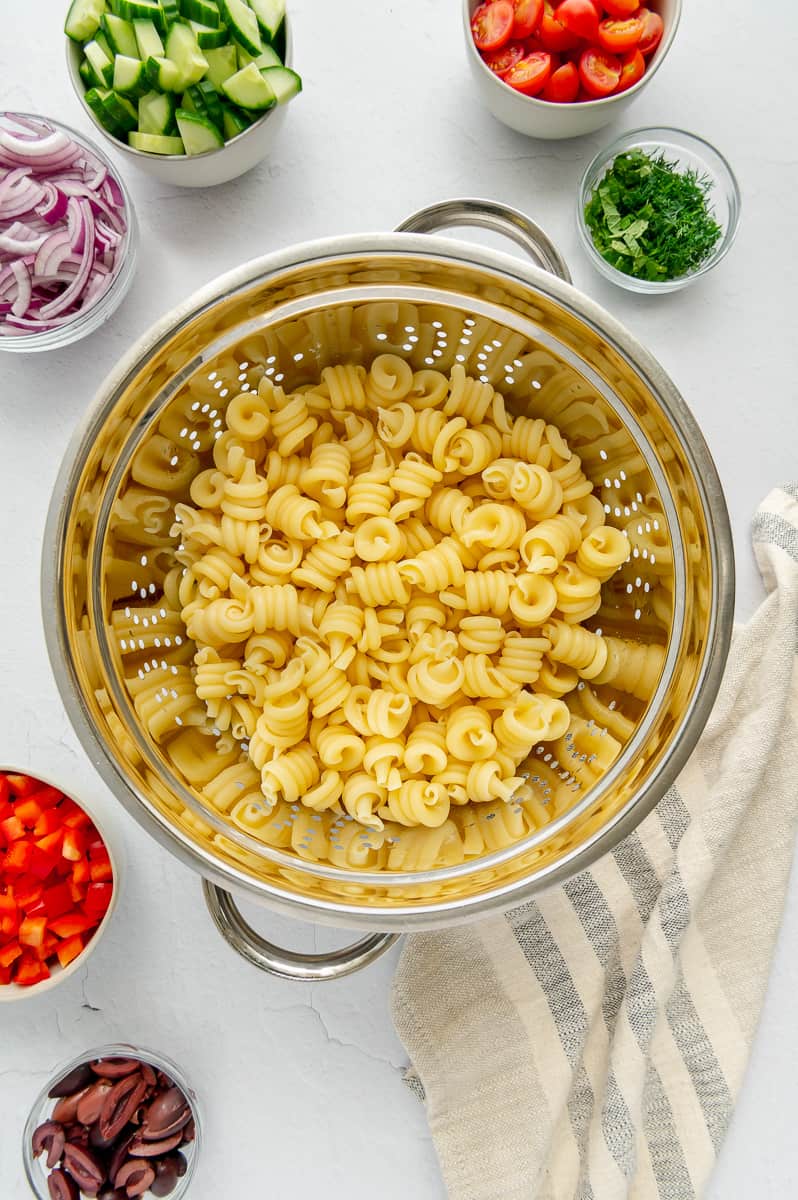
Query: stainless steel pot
{"points": [[551, 351]]}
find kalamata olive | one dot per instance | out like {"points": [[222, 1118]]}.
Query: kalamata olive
{"points": [[120, 1104], [166, 1177], [85, 1168], [49, 1138], [164, 1081], [112, 1193], [61, 1187], [77, 1134], [189, 1132], [135, 1176], [167, 1113], [180, 1163], [92, 1101], [148, 1075], [96, 1139], [75, 1081], [115, 1068], [120, 1153], [66, 1109], [141, 1148]]}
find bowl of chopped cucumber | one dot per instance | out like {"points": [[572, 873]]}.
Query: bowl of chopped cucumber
{"points": [[193, 92]]}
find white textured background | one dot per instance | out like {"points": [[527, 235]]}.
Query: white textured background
{"points": [[301, 1085]]}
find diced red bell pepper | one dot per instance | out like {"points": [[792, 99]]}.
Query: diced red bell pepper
{"points": [[18, 859], [5, 976], [10, 953], [5, 790], [46, 796], [49, 822], [69, 949], [28, 811], [32, 931], [48, 948], [22, 785], [12, 829], [98, 897], [41, 863], [27, 891], [77, 891], [30, 971], [73, 846], [57, 900], [72, 816], [9, 917], [72, 923], [36, 910], [51, 843], [81, 872], [102, 872]]}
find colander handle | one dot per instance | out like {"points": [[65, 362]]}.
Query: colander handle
{"points": [[489, 214], [288, 964]]}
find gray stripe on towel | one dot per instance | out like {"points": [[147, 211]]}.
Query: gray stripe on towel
{"points": [[770, 528]]}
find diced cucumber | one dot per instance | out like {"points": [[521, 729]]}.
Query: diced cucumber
{"points": [[157, 112], [182, 49], [222, 63], [141, 10], [95, 98], [249, 89], [148, 40], [284, 82], [198, 133], [234, 120], [83, 19], [102, 42], [242, 23], [100, 63], [164, 75], [121, 35], [121, 111], [213, 104], [155, 143], [207, 38], [204, 11], [171, 12], [129, 75], [87, 74], [195, 100], [270, 14], [268, 57]]}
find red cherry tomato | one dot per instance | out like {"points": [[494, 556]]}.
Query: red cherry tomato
{"points": [[633, 67], [527, 17], [552, 34], [580, 17], [492, 24], [599, 72], [620, 36], [501, 60], [620, 8], [563, 85], [652, 31], [530, 74]]}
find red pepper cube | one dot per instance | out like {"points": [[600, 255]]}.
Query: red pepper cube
{"points": [[81, 872], [69, 949], [49, 822], [10, 953], [77, 891], [22, 785], [46, 796], [57, 900], [27, 891], [28, 811], [12, 829], [101, 872], [72, 816], [51, 843], [32, 931], [30, 971], [48, 948], [41, 863], [98, 897], [5, 976], [5, 790], [18, 859], [73, 847], [72, 923]]}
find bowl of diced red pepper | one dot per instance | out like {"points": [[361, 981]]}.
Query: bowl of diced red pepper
{"points": [[563, 68], [57, 884]]}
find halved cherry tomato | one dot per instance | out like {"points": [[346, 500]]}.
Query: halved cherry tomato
{"points": [[527, 17], [492, 24], [599, 72], [530, 74], [562, 86], [633, 67], [500, 61], [620, 36], [580, 17], [652, 31], [620, 8], [552, 33]]}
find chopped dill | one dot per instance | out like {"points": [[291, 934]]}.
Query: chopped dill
{"points": [[650, 219]]}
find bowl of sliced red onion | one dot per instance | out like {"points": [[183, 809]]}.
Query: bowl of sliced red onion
{"points": [[68, 234]]}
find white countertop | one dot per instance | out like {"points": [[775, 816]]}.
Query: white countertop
{"points": [[302, 1084]]}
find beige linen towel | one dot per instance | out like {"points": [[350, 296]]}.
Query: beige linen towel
{"points": [[590, 1045]]}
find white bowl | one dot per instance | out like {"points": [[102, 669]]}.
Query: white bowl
{"points": [[10, 992], [544, 119], [234, 158]]}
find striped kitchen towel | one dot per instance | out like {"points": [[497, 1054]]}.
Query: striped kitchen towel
{"points": [[590, 1045]]}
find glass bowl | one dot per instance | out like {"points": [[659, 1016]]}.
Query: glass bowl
{"points": [[97, 314], [688, 152], [36, 1169]]}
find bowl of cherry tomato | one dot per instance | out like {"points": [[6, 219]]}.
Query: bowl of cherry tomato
{"points": [[58, 884], [564, 68]]}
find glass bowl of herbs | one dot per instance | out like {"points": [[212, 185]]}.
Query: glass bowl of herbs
{"points": [[657, 209]]}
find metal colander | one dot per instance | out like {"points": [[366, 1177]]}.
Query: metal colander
{"points": [[436, 302]]}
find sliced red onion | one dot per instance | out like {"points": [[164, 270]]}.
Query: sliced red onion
{"points": [[62, 226]]}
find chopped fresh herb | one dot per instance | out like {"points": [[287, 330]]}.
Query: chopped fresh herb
{"points": [[650, 219]]}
